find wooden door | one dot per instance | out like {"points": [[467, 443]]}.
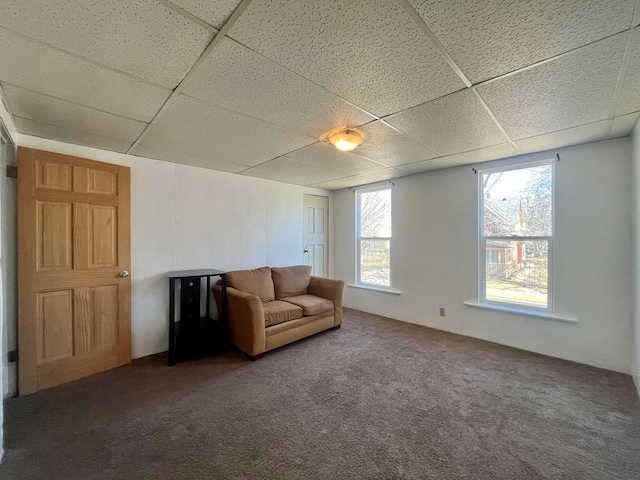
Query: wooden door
{"points": [[316, 234], [74, 307]]}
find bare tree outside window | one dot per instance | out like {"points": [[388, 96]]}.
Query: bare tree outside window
{"points": [[374, 237], [517, 217]]}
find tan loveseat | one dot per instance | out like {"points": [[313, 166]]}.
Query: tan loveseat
{"points": [[270, 307]]}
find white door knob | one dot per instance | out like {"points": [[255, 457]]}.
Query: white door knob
{"points": [[124, 274]]}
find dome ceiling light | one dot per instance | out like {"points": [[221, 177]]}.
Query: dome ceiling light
{"points": [[346, 140]]}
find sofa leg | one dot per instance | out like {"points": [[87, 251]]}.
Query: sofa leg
{"points": [[256, 357], [336, 327]]}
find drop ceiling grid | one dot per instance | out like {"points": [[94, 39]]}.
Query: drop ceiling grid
{"points": [[392, 151], [385, 144], [199, 128], [572, 90], [473, 156], [622, 73], [237, 78], [54, 132], [201, 58], [213, 14], [387, 66], [363, 179], [629, 93], [144, 38], [36, 67], [51, 111], [452, 124], [587, 133], [285, 168], [488, 40], [187, 159]]}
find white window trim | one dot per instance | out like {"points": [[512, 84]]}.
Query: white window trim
{"points": [[358, 280], [482, 239]]}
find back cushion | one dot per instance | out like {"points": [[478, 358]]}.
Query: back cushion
{"points": [[291, 281], [256, 282]]}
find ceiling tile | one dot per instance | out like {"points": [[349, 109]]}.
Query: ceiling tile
{"points": [[592, 132], [332, 161], [385, 145], [142, 37], [451, 124], [359, 180], [51, 111], [284, 169], [572, 90], [181, 157], [30, 127], [370, 52], [239, 79], [316, 163], [629, 100], [488, 38], [202, 129], [215, 12], [476, 156], [34, 66], [623, 124]]}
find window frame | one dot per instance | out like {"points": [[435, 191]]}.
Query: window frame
{"points": [[482, 240], [359, 238]]}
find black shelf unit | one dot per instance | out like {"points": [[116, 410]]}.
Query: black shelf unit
{"points": [[195, 335]]}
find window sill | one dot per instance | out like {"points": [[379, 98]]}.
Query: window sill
{"points": [[375, 289], [522, 311]]}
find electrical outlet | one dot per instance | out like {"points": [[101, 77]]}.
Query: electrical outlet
{"points": [[442, 311]]}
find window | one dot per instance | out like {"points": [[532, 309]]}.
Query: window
{"points": [[516, 236], [374, 237]]}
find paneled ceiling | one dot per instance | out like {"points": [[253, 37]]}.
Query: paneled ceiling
{"points": [[252, 86]]}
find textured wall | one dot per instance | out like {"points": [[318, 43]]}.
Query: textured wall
{"points": [[636, 253]]}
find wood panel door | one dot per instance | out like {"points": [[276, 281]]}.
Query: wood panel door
{"points": [[74, 292], [316, 234]]}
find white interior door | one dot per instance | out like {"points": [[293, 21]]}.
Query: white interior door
{"points": [[316, 234]]}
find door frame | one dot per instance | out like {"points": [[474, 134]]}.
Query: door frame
{"points": [[327, 265]]}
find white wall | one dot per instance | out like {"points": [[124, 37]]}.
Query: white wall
{"points": [[434, 257], [8, 267], [188, 217], [636, 252]]}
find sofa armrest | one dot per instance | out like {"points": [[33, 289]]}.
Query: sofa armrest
{"points": [[245, 317], [331, 290]]}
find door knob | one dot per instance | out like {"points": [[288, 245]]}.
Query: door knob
{"points": [[306, 250], [124, 274]]}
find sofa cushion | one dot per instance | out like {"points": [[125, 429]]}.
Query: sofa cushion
{"points": [[256, 282], [291, 281], [311, 305], [276, 312]]}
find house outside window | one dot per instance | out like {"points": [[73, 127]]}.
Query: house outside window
{"points": [[373, 237], [516, 236]]}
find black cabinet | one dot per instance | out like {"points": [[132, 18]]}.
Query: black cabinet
{"points": [[195, 334]]}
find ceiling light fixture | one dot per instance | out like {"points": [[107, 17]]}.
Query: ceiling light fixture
{"points": [[346, 140]]}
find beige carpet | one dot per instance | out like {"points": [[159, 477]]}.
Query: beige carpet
{"points": [[377, 399]]}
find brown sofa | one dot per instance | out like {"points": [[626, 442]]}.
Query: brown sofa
{"points": [[270, 307]]}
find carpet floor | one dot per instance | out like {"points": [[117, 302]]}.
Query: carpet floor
{"points": [[377, 399]]}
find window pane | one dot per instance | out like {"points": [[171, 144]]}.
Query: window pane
{"points": [[518, 202], [375, 213], [521, 273], [374, 262]]}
